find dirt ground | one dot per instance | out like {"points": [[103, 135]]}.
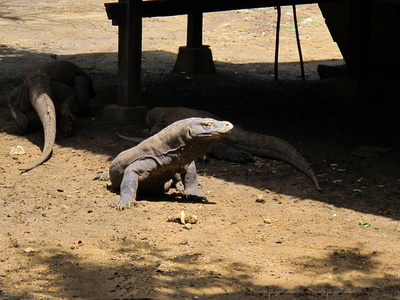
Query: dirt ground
{"points": [[265, 233]]}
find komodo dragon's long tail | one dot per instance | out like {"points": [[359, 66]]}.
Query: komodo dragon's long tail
{"points": [[272, 147], [44, 107]]}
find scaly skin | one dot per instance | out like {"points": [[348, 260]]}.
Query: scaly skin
{"points": [[240, 145], [56, 86], [164, 157], [67, 73]]}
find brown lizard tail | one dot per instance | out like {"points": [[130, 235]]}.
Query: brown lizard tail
{"points": [[47, 115], [272, 147]]}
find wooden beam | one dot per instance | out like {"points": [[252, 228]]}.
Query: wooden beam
{"points": [[130, 54], [160, 8]]}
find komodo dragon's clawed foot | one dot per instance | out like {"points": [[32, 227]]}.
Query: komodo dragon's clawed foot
{"points": [[66, 127], [102, 175], [123, 203], [66, 124], [195, 196]]}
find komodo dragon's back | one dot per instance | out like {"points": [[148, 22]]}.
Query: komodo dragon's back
{"points": [[170, 115], [67, 73], [61, 71]]}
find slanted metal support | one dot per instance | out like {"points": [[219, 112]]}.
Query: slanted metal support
{"points": [[278, 25]]}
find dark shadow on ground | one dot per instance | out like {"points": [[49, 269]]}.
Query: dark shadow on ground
{"points": [[139, 265], [321, 118]]}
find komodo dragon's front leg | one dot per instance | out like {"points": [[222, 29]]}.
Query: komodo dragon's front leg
{"points": [[135, 172], [84, 90], [128, 189]]}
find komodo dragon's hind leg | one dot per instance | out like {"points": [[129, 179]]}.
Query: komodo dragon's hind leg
{"points": [[66, 116], [84, 91], [189, 180], [64, 101], [177, 183]]}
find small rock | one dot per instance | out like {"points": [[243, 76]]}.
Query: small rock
{"points": [[267, 221], [17, 150], [183, 218], [29, 250], [307, 20], [261, 199], [188, 226]]}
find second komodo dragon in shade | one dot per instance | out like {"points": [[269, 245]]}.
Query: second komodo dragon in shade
{"points": [[166, 158], [56, 88], [240, 145]]}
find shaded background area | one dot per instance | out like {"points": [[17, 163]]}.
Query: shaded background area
{"points": [[265, 228]]}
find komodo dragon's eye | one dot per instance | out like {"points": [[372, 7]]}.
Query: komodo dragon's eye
{"points": [[207, 124]]}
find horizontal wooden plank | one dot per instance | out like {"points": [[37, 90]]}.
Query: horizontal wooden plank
{"points": [[159, 8]]}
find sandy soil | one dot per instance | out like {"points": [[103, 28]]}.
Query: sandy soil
{"points": [[265, 229]]}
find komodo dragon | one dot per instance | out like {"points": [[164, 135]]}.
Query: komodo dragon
{"points": [[58, 86], [164, 159], [237, 146]]}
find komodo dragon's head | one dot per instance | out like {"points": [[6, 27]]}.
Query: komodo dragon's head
{"points": [[207, 129]]}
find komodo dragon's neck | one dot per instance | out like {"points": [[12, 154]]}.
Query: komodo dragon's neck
{"points": [[183, 138]]}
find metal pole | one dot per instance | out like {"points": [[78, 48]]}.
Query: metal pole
{"points": [[278, 25], [298, 43]]}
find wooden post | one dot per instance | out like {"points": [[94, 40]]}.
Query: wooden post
{"points": [[194, 58], [130, 54], [359, 37], [195, 30]]}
